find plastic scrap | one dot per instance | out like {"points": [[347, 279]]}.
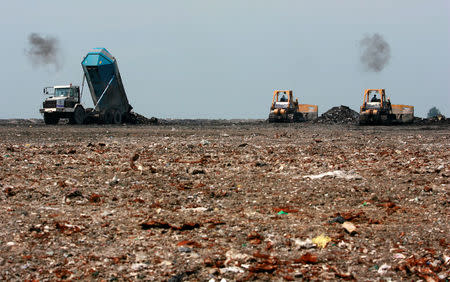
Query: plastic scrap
{"points": [[338, 219], [321, 241], [336, 174], [383, 269], [304, 244], [349, 227]]}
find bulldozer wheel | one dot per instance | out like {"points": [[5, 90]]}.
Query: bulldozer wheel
{"points": [[298, 117], [51, 119], [271, 118], [290, 118]]}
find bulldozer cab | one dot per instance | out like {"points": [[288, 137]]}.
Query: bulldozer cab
{"points": [[374, 98], [282, 99]]}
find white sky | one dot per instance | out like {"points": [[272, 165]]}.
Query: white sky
{"points": [[223, 59]]}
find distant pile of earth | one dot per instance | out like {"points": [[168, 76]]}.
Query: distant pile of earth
{"points": [[338, 115]]}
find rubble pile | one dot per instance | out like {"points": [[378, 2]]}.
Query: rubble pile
{"points": [[439, 119], [135, 118], [228, 203], [338, 115]]}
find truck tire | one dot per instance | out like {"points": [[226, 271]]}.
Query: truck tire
{"points": [[108, 117], [117, 117], [51, 119], [78, 116]]}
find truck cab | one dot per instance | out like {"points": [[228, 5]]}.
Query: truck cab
{"points": [[63, 101]]}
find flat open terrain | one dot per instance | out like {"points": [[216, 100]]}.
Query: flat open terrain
{"points": [[234, 201]]}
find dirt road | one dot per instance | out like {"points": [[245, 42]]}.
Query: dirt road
{"points": [[234, 201]]}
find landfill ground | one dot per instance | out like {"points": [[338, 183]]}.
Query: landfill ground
{"points": [[234, 201]]}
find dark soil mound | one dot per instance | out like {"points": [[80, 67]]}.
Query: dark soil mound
{"points": [[439, 119], [340, 115], [135, 118]]}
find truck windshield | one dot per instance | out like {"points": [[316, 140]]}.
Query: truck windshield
{"points": [[63, 92]]}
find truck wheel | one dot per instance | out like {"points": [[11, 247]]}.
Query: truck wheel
{"points": [[108, 117], [51, 119], [78, 116], [117, 118]]}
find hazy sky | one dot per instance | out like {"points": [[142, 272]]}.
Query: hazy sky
{"points": [[223, 59]]}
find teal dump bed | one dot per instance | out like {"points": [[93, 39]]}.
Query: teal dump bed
{"points": [[104, 81]]}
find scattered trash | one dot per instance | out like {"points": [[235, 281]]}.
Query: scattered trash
{"points": [[138, 266], [321, 241], [195, 171], [338, 219], [184, 250], [95, 198], [233, 269], [307, 258], [399, 256], [114, 180], [349, 227], [382, 270], [336, 174], [189, 243], [304, 244], [117, 222], [164, 225], [74, 194], [233, 256]]}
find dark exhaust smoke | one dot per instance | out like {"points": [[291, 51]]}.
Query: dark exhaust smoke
{"points": [[376, 52], [43, 51]]}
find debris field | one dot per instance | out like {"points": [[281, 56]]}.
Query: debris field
{"points": [[181, 202]]}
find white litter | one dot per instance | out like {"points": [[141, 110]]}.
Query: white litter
{"points": [[351, 175], [304, 244], [234, 269], [383, 269]]}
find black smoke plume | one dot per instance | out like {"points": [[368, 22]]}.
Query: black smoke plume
{"points": [[43, 51], [376, 52]]}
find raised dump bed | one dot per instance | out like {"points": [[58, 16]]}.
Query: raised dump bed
{"points": [[106, 87]]}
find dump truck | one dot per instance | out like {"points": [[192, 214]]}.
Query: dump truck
{"points": [[377, 109], [285, 109], [101, 73]]}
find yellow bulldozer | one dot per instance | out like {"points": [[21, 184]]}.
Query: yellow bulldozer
{"points": [[285, 109], [377, 109]]}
